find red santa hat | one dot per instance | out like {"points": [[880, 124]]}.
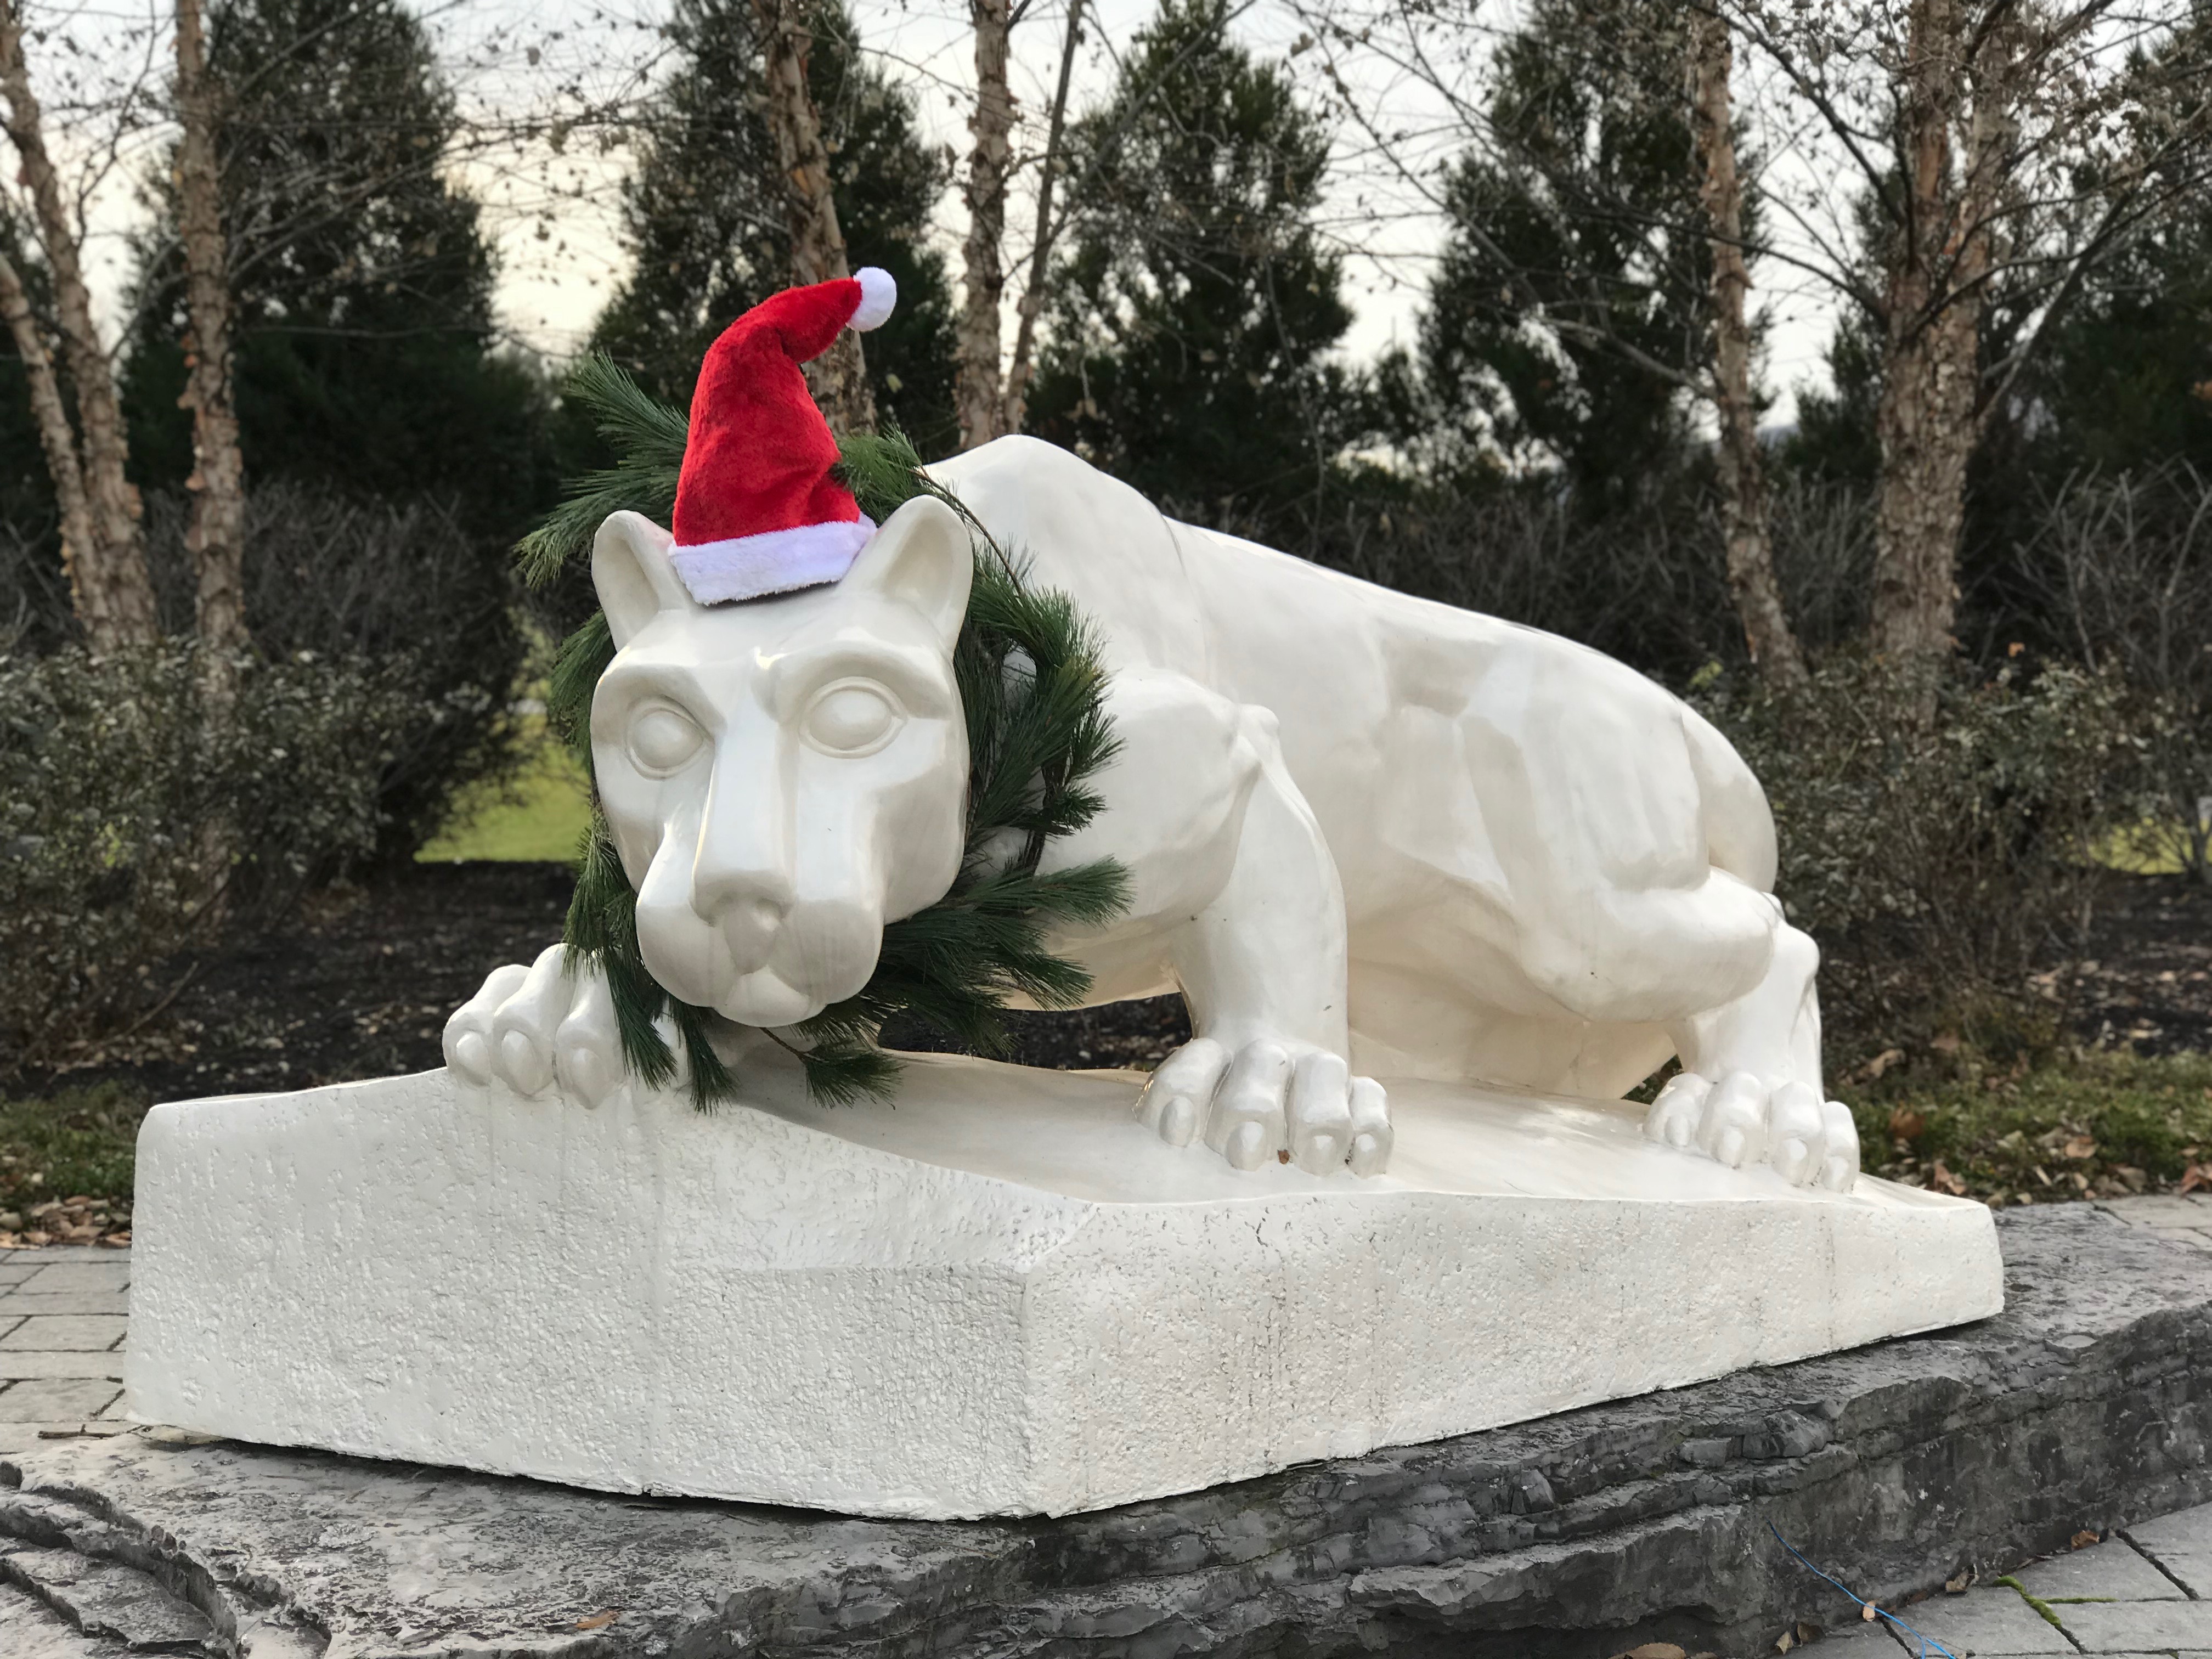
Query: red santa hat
{"points": [[758, 508]]}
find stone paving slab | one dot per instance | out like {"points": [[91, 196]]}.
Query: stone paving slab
{"points": [[1857, 1640], [67, 1340], [2138, 1627], [114, 1303], [65, 1333], [18, 1365], [114, 1274], [2182, 1547], [57, 1399], [1986, 1621], [2110, 1570], [2182, 1209]]}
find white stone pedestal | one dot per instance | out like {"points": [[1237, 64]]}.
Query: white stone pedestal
{"points": [[1002, 1297]]}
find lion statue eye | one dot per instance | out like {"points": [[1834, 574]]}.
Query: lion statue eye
{"points": [[852, 718], [662, 739]]}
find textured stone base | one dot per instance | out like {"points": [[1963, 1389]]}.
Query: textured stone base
{"points": [[2087, 1404], [1003, 1297]]}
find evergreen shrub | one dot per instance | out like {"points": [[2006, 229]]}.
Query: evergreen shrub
{"points": [[128, 819]]}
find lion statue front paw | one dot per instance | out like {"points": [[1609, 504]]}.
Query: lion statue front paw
{"points": [[530, 1028], [1739, 1120], [1270, 1100]]}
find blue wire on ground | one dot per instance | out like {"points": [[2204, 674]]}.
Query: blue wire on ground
{"points": [[1928, 1643]]}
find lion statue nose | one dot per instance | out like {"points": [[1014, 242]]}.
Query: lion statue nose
{"points": [[748, 923]]}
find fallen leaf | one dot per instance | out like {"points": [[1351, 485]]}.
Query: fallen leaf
{"points": [[1944, 1181], [1907, 1124], [1655, 1651], [2079, 1147], [1946, 1044], [2195, 1176], [1867, 1611], [2083, 1538], [1785, 1642], [1958, 1586], [1880, 1063], [1282, 1155], [599, 1620]]}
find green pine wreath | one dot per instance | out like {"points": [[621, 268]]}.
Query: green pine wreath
{"points": [[1032, 688]]}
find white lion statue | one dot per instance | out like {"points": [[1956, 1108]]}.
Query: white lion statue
{"points": [[1368, 835]]}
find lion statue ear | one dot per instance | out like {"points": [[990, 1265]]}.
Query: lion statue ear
{"points": [[921, 558], [636, 579]]}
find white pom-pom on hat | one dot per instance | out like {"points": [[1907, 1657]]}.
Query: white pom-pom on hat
{"points": [[878, 296]]}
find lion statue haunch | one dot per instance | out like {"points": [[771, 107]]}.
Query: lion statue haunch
{"points": [[1367, 835]]}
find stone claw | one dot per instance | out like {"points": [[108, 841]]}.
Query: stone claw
{"points": [[1740, 1120], [532, 1027], [1269, 1101]]}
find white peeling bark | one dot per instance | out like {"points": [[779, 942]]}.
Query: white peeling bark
{"points": [[839, 376], [1758, 595], [110, 566]]}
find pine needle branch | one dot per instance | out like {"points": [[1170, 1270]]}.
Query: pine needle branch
{"points": [[649, 437]]}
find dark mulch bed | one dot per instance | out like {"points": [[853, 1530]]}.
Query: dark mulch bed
{"points": [[2147, 979], [360, 984]]}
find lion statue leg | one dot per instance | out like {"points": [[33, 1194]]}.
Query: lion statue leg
{"points": [[1749, 1089], [1236, 903]]}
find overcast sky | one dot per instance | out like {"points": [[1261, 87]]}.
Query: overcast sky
{"points": [[552, 214]]}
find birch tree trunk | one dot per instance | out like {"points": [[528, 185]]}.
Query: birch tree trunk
{"points": [[216, 534], [838, 378], [976, 386], [1927, 420], [1024, 363], [58, 441], [109, 567], [1766, 632]]}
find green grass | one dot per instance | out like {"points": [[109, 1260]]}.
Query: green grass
{"points": [[541, 815], [2094, 1123], [2150, 850], [75, 1143]]}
